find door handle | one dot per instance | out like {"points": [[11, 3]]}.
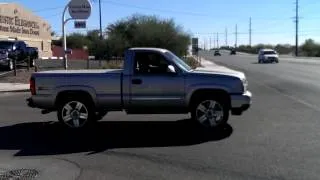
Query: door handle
{"points": [[136, 81]]}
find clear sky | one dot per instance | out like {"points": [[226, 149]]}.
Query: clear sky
{"points": [[272, 20]]}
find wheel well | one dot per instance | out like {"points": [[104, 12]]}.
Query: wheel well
{"points": [[82, 94], [212, 92]]}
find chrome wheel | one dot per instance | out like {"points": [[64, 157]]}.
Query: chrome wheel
{"points": [[75, 114], [32, 63], [210, 113], [10, 65]]}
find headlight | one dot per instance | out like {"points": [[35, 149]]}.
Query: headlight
{"points": [[245, 84]]}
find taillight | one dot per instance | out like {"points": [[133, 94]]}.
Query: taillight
{"points": [[32, 86]]}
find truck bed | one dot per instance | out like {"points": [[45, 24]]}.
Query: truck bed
{"points": [[105, 85]]}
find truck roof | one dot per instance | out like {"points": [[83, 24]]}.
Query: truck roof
{"points": [[149, 48]]}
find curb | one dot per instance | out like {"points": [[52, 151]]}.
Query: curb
{"points": [[8, 73]]}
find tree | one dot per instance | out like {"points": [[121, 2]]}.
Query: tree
{"points": [[310, 48], [146, 31]]}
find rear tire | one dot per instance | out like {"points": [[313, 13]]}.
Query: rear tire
{"points": [[210, 111], [75, 112]]}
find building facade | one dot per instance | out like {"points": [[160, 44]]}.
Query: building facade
{"points": [[18, 23]]}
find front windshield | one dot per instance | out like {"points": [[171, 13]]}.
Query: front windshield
{"points": [[6, 45], [179, 61], [269, 52]]}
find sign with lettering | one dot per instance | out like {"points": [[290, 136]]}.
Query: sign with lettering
{"points": [[79, 9], [80, 24], [195, 45], [18, 25]]}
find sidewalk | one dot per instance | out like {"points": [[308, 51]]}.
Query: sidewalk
{"points": [[209, 65], [13, 87]]}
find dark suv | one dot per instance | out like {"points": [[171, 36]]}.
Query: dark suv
{"points": [[13, 50]]}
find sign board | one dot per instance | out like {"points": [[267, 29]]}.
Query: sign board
{"points": [[79, 9], [195, 45], [80, 24]]}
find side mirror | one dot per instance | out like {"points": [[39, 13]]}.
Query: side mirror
{"points": [[172, 69]]}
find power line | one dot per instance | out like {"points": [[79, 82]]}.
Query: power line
{"points": [[48, 9], [226, 34], [156, 9], [250, 31], [217, 40], [236, 34]]}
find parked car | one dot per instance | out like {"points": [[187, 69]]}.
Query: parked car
{"points": [[233, 52], [13, 50], [268, 56], [217, 53], [152, 81], [33, 52]]}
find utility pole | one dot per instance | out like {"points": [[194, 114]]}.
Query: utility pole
{"points": [[250, 31], [210, 44], [297, 27], [236, 41], [100, 19], [217, 40], [226, 37]]}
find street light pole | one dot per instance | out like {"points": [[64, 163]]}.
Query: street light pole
{"points": [[100, 19], [64, 41]]}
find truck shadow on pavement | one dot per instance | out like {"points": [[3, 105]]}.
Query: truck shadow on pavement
{"points": [[37, 138]]}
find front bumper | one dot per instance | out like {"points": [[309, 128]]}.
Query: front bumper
{"points": [[240, 102]]}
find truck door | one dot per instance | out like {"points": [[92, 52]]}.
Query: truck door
{"points": [[154, 88]]}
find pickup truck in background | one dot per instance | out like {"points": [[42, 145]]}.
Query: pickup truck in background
{"points": [[15, 50], [152, 81]]}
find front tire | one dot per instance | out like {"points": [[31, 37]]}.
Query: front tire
{"points": [[32, 63], [75, 112], [210, 112]]}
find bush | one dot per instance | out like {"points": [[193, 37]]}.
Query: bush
{"points": [[146, 31]]}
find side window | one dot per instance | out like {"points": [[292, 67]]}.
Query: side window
{"points": [[150, 63]]}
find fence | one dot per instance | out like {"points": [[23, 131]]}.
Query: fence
{"points": [[53, 64]]}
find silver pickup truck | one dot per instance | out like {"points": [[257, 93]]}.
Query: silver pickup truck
{"points": [[152, 81]]}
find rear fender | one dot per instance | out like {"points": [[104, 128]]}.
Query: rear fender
{"points": [[86, 89]]}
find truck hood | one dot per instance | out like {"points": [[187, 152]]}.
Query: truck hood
{"points": [[220, 70]]}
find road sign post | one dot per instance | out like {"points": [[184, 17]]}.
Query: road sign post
{"points": [[78, 10]]}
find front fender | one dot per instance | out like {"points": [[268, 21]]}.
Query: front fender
{"points": [[193, 88]]}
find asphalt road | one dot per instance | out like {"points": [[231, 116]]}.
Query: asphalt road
{"points": [[278, 138]]}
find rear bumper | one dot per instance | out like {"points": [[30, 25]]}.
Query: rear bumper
{"points": [[241, 103], [40, 101]]}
